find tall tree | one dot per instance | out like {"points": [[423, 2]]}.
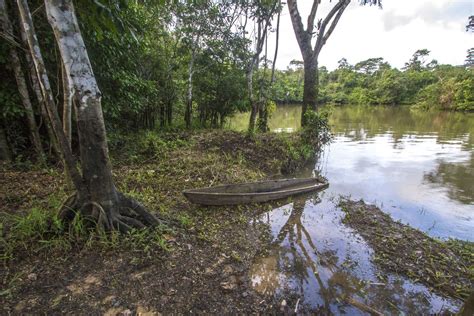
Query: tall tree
{"points": [[418, 61], [470, 57], [369, 66], [325, 27], [21, 82], [470, 52], [205, 26], [262, 13], [96, 195]]}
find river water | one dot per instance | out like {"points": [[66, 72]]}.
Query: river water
{"points": [[416, 166]]}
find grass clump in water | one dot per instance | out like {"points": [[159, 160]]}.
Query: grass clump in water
{"points": [[445, 266]]}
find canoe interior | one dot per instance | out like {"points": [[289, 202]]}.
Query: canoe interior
{"points": [[259, 187]]}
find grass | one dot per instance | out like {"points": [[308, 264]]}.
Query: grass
{"points": [[153, 168], [445, 266], [41, 232]]}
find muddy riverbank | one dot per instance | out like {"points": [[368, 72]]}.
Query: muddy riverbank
{"points": [[206, 261], [197, 264]]}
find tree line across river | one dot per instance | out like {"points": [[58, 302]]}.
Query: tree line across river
{"points": [[421, 83]]}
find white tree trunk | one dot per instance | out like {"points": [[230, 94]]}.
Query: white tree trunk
{"points": [[95, 162], [188, 115], [39, 96]]}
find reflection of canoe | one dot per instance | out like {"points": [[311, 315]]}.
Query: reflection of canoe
{"points": [[254, 192]]}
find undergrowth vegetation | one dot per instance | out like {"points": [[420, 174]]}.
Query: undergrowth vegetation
{"points": [[41, 231], [153, 168], [302, 147], [135, 147]]}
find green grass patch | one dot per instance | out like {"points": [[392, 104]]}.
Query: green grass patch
{"points": [[41, 232]]}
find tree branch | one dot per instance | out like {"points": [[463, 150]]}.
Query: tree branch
{"points": [[276, 45], [337, 9], [333, 24], [312, 16]]}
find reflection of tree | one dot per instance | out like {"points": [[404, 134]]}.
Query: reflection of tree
{"points": [[341, 286], [458, 178], [294, 230], [365, 122], [293, 253]]}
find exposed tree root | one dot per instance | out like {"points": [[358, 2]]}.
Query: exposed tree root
{"points": [[125, 215]]}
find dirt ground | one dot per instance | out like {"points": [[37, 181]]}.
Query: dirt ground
{"points": [[207, 255]]}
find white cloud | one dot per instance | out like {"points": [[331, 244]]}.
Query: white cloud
{"points": [[394, 33]]}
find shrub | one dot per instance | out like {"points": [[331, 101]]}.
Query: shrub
{"points": [[316, 131]]}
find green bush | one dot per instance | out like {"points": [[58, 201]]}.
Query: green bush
{"points": [[316, 131], [453, 94], [360, 96], [464, 95]]}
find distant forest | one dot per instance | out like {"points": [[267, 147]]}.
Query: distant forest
{"points": [[422, 82]]}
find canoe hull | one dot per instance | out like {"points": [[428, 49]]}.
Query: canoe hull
{"points": [[256, 192]]}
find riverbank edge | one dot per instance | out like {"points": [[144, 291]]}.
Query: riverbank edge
{"points": [[49, 269], [199, 264], [445, 266]]}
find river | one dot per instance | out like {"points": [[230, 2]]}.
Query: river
{"points": [[416, 166]]}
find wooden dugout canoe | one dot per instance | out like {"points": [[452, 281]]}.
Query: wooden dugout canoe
{"points": [[254, 192]]}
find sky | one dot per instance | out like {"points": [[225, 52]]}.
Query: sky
{"points": [[394, 32]]}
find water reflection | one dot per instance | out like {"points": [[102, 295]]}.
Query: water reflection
{"points": [[417, 166], [457, 178], [316, 262], [374, 120]]}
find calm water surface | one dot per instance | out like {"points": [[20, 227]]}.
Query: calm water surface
{"points": [[416, 166]]}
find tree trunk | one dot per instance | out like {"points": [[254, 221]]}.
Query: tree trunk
{"points": [[169, 112], [262, 98], [110, 208], [262, 29], [5, 153], [162, 115], [67, 106], [169, 97], [277, 42], [189, 96], [69, 161], [310, 54], [253, 103], [252, 67], [39, 96], [42, 107], [22, 87], [310, 89]]}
